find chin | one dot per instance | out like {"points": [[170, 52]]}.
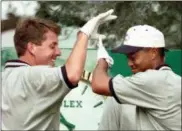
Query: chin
{"points": [[52, 64], [135, 71]]}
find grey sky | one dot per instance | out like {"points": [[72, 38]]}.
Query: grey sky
{"points": [[22, 8]]}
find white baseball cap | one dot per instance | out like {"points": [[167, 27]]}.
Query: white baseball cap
{"points": [[139, 37]]}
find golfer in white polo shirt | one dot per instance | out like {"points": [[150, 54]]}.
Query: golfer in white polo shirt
{"points": [[32, 89], [150, 99]]}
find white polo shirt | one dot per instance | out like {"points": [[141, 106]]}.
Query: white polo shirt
{"points": [[32, 96], [156, 95]]}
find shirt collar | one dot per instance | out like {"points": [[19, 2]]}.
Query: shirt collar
{"points": [[15, 63], [163, 67]]}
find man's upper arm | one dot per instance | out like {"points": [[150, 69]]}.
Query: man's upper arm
{"points": [[137, 90]]}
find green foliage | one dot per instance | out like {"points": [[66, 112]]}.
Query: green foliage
{"points": [[166, 16], [7, 54]]}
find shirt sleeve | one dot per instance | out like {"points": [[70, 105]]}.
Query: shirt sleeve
{"points": [[50, 82], [139, 89]]}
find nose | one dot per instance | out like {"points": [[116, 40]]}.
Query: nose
{"points": [[58, 51], [130, 62]]}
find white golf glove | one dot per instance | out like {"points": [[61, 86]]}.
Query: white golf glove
{"points": [[91, 27], [102, 53]]}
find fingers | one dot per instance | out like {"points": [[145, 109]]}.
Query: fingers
{"points": [[103, 15], [110, 61], [111, 17], [100, 42]]}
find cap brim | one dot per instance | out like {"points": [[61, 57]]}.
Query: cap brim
{"points": [[165, 49], [126, 49]]}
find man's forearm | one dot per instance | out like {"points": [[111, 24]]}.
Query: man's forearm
{"points": [[100, 70], [100, 79], [76, 61]]}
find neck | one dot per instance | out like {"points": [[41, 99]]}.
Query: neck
{"points": [[27, 59], [158, 62]]}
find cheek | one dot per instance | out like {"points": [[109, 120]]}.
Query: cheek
{"points": [[49, 53], [144, 63], [141, 62], [44, 55], [138, 62]]}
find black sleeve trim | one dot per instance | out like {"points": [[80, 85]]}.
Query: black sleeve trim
{"points": [[112, 90], [65, 77]]}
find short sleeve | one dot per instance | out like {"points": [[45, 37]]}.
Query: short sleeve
{"points": [[50, 82], [139, 89]]}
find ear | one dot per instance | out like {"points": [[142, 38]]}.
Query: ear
{"points": [[31, 48], [154, 53]]}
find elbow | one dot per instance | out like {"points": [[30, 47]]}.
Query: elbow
{"points": [[73, 75], [100, 87], [95, 87], [74, 78]]}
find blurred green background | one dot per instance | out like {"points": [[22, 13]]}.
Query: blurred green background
{"points": [[173, 59]]}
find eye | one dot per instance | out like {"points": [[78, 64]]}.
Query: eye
{"points": [[52, 46], [131, 57]]}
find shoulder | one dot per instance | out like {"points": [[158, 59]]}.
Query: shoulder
{"points": [[163, 74], [152, 75], [141, 77], [33, 74], [149, 78], [38, 70]]}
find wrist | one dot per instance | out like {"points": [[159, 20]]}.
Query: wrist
{"points": [[102, 62], [81, 34]]}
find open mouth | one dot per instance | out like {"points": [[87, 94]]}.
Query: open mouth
{"points": [[53, 60]]}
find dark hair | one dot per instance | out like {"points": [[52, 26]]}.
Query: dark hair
{"points": [[32, 29], [161, 52]]}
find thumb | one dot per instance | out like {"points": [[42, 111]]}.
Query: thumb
{"points": [[97, 36], [102, 37], [100, 42]]}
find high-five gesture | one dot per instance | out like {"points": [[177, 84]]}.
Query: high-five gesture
{"points": [[91, 27]]}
